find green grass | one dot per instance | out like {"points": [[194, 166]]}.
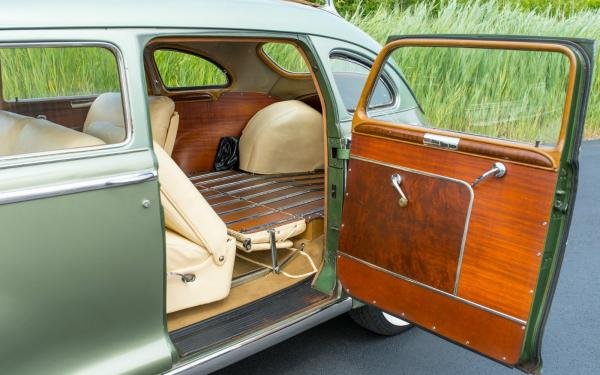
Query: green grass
{"points": [[480, 18], [90, 71]]}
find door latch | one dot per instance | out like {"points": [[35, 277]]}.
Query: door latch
{"points": [[396, 181]]}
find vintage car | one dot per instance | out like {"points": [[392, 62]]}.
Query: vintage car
{"points": [[183, 184]]}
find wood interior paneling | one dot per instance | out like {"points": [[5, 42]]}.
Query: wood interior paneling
{"points": [[493, 335], [508, 226], [499, 151], [421, 241], [250, 203], [202, 123], [56, 110]]}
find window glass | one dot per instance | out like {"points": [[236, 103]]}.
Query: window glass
{"points": [[33, 73], [180, 70], [286, 57], [512, 95], [350, 77], [57, 98]]}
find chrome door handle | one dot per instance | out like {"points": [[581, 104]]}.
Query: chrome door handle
{"points": [[498, 170], [396, 181]]}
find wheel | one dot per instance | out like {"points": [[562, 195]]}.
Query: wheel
{"points": [[379, 322]]}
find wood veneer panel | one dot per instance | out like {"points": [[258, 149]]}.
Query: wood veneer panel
{"points": [[202, 123], [58, 111], [421, 241], [490, 334], [465, 145], [508, 225]]}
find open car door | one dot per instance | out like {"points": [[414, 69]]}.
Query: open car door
{"points": [[456, 218]]}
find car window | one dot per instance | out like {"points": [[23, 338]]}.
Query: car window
{"points": [[181, 70], [285, 57], [34, 73], [57, 98], [496, 94], [350, 77]]}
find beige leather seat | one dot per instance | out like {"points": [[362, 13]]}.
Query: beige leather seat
{"points": [[284, 137], [22, 135], [105, 119], [200, 254]]}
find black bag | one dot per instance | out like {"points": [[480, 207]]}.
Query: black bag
{"points": [[227, 154]]}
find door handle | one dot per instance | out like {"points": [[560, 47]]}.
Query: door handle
{"points": [[396, 181], [498, 170]]}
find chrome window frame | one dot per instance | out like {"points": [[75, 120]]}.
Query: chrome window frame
{"points": [[122, 84], [367, 63]]}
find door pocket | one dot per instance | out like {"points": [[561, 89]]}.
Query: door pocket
{"points": [[418, 231]]}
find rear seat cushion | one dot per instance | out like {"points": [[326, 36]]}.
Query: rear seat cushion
{"points": [[284, 137], [22, 134]]}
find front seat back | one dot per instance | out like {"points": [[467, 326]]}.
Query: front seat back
{"points": [[200, 254], [105, 119]]}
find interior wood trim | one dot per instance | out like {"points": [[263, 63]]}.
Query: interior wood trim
{"points": [[536, 157], [471, 326], [361, 117], [278, 69], [509, 220], [368, 171]]}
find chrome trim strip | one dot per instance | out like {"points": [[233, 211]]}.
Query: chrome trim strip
{"points": [[279, 210], [263, 202], [289, 184], [441, 141], [250, 196], [450, 295], [209, 174], [76, 187], [266, 338], [122, 85], [468, 216]]}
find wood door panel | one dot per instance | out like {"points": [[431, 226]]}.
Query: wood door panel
{"points": [[422, 241], [202, 123], [508, 226], [477, 329], [58, 111]]}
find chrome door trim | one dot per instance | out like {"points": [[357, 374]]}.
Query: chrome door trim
{"points": [[467, 219], [265, 339], [428, 287], [22, 195]]}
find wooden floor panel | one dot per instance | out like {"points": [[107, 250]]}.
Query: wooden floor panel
{"points": [[250, 202]]}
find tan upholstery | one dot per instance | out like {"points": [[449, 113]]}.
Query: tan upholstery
{"points": [[196, 239], [105, 119], [22, 135], [284, 137], [258, 241]]}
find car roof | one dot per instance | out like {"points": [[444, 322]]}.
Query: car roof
{"points": [[264, 15]]}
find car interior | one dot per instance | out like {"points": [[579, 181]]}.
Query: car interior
{"points": [[241, 170]]}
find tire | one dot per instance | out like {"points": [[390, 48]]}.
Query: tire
{"points": [[376, 321]]}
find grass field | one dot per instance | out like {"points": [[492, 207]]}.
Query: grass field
{"points": [[73, 72]]}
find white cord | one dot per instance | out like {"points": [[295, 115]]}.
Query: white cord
{"points": [[312, 264]]}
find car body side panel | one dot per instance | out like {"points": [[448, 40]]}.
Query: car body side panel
{"points": [[82, 260]]}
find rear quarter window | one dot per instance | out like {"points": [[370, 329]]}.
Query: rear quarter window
{"points": [[182, 70]]}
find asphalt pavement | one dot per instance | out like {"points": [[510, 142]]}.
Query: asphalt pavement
{"points": [[572, 337]]}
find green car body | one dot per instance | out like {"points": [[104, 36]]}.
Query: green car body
{"points": [[82, 283]]}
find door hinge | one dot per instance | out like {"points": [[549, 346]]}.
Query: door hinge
{"points": [[560, 203], [340, 148]]}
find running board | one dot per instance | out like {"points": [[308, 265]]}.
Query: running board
{"points": [[246, 319], [216, 360]]}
